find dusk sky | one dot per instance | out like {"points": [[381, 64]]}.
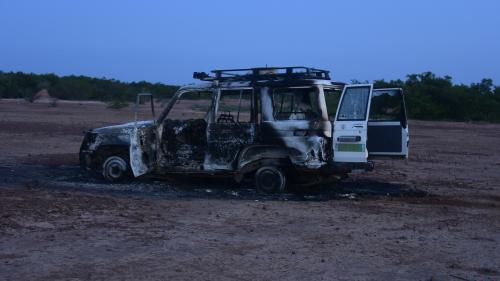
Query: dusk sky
{"points": [[165, 41]]}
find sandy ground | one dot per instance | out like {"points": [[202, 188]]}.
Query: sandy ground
{"points": [[434, 217]]}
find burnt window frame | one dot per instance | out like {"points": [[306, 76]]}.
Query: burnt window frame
{"points": [[176, 99], [252, 104], [317, 91], [332, 117]]}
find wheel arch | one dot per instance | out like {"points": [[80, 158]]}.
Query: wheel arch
{"points": [[107, 150], [253, 157]]}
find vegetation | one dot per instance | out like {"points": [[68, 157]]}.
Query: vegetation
{"points": [[114, 92], [428, 96]]}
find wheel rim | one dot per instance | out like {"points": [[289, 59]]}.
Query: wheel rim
{"points": [[114, 168], [270, 180], [115, 171]]}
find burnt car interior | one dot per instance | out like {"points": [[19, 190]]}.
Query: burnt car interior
{"points": [[183, 139], [233, 128]]}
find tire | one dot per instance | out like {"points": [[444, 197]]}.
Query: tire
{"points": [[115, 169], [270, 179]]}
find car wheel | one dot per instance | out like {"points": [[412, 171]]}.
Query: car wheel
{"points": [[270, 180], [115, 169]]}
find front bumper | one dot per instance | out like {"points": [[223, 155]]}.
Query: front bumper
{"points": [[85, 155], [86, 159]]}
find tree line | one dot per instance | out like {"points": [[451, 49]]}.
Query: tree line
{"points": [[428, 96], [26, 85]]}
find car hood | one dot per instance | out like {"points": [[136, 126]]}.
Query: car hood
{"points": [[122, 128]]}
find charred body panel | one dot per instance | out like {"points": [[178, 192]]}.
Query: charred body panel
{"points": [[225, 141], [306, 139], [305, 143], [101, 142]]}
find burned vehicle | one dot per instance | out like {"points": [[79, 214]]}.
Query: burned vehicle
{"points": [[272, 125]]}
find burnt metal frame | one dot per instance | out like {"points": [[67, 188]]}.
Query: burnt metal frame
{"points": [[317, 92], [240, 90], [295, 80], [138, 101], [264, 73]]}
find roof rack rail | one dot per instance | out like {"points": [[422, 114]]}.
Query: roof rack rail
{"points": [[264, 73]]}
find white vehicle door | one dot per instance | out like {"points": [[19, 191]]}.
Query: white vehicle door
{"points": [[351, 124], [387, 125]]}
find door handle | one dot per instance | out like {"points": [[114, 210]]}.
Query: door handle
{"points": [[358, 126]]}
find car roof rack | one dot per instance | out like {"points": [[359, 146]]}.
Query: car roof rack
{"points": [[264, 73]]}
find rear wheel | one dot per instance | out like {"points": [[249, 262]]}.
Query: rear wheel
{"points": [[270, 179], [115, 169]]}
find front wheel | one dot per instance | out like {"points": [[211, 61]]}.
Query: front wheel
{"points": [[115, 169], [270, 180]]}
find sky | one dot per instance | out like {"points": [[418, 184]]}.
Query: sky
{"points": [[166, 41]]}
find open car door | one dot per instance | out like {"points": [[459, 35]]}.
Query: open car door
{"points": [[142, 150], [143, 141], [351, 124], [387, 125]]}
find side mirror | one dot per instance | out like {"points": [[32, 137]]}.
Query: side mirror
{"points": [[138, 101]]}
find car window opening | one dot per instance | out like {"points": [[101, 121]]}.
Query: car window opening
{"points": [[296, 104]]}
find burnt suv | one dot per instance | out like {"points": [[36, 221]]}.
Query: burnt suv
{"points": [[274, 125]]}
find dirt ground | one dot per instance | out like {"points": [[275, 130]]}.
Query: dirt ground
{"points": [[433, 217]]}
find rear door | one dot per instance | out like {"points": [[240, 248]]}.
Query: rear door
{"points": [[351, 124], [232, 129], [387, 125]]}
